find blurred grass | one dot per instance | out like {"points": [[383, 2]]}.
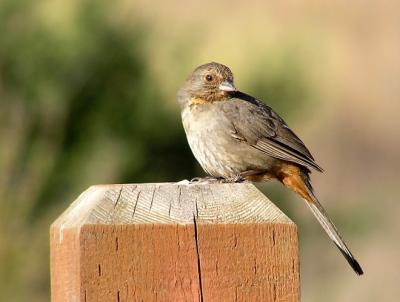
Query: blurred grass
{"points": [[81, 106], [87, 96]]}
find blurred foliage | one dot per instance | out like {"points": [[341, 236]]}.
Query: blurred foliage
{"points": [[78, 106], [86, 95], [280, 83]]}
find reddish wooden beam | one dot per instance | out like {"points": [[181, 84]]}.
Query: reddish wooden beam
{"points": [[174, 242]]}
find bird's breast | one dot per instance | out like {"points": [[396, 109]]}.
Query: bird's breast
{"points": [[210, 136]]}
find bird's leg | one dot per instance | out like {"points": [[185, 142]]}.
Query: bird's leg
{"points": [[206, 180], [248, 175], [235, 179], [238, 178]]}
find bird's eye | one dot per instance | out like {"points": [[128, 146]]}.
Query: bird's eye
{"points": [[209, 78]]}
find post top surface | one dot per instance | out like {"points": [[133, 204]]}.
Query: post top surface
{"points": [[166, 203]]}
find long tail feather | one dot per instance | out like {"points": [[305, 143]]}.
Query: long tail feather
{"points": [[322, 216], [297, 179]]}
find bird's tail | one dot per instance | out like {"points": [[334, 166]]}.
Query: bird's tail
{"points": [[299, 181]]}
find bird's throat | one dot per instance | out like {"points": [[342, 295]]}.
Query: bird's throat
{"points": [[217, 97], [198, 101]]}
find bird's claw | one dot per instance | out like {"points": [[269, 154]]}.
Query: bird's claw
{"points": [[211, 180], [206, 180], [236, 179]]}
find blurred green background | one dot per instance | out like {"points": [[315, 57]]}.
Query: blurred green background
{"points": [[87, 96]]}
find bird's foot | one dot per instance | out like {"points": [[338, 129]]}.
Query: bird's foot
{"points": [[206, 180], [236, 179], [211, 180]]}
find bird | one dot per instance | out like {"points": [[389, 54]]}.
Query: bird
{"points": [[236, 137]]}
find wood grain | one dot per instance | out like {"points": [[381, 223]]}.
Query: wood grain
{"points": [[174, 242]]}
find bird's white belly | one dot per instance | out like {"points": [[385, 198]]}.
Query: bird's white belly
{"points": [[213, 146], [213, 159]]}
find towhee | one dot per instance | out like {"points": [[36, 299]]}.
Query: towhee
{"points": [[236, 137]]}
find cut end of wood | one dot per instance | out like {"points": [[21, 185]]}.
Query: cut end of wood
{"points": [[170, 203], [174, 242]]}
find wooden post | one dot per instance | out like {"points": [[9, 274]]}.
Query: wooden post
{"points": [[174, 242]]}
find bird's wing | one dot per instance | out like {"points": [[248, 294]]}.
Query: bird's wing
{"points": [[263, 129]]}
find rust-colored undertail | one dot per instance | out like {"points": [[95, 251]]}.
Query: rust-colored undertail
{"points": [[297, 179]]}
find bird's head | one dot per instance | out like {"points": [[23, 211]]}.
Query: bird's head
{"points": [[208, 83]]}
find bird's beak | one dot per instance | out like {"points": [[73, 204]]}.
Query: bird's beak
{"points": [[227, 87]]}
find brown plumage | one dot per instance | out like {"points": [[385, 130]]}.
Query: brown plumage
{"points": [[235, 136]]}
